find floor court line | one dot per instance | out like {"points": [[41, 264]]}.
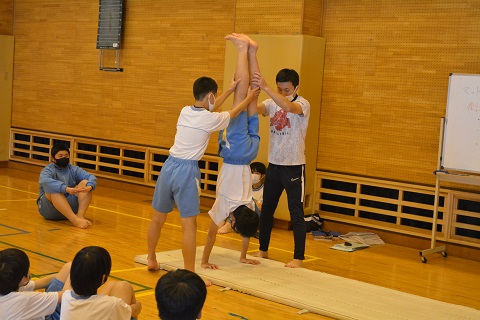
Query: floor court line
{"points": [[126, 270], [169, 224], [29, 192], [31, 251]]}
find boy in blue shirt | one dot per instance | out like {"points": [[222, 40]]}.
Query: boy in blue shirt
{"points": [[238, 146], [65, 189]]}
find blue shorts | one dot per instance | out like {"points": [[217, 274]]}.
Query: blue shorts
{"points": [[49, 212], [54, 285], [178, 183]]}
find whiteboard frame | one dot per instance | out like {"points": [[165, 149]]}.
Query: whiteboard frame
{"points": [[445, 132]]}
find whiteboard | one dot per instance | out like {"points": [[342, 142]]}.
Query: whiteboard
{"points": [[461, 144]]}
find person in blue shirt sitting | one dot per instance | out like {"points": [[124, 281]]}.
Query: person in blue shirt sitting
{"points": [[65, 190]]}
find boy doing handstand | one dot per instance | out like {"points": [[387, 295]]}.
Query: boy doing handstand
{"points": [[238, 146], [258, 178]]}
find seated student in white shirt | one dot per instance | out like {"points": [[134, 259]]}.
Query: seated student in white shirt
{"points": [[114, 301], [17, 297]]}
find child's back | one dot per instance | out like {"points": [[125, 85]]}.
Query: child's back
{"points": [[97, 306], [90, 270]]}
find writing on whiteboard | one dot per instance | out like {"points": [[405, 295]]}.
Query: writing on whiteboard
{"points": [[470, 90], [473, 106]]}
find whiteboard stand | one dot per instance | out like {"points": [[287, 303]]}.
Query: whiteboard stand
{"points": [[434, 249], [459, 142]]}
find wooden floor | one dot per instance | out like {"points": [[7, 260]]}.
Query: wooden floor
{"points": [[120, 221]]}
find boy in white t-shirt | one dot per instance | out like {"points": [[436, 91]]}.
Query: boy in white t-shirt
{"points": [[238, 146], [179, 179], [115, 299], [17, 297]]}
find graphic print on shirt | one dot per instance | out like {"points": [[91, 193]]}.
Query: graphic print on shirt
{"points": [[279, 121]]}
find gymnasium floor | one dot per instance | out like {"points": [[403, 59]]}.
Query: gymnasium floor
{"points": [[120, 221]]}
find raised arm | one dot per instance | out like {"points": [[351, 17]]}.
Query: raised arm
{"points": [[280, 100], [261, 109], [242, 106], [221, 98]]}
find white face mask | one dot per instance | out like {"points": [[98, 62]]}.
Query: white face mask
{"points": [[292, 96], [255, 178], [211, 105]]}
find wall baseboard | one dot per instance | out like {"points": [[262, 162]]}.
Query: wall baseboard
{"points": [[205, 202]]}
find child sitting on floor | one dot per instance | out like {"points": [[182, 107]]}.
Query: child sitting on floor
{"points": [[115, 299], [17, 299]]}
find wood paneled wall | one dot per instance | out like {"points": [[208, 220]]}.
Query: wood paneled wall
{"points": [[166, 46], [6, 17], [312, 18], [386, 80]]}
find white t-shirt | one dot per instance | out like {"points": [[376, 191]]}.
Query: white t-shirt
{"points": [[27, 305], [257, 194], [287, 133], [194, 127], [98, 306]]}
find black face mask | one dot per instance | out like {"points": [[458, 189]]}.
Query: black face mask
{"points": [[62, 162]]}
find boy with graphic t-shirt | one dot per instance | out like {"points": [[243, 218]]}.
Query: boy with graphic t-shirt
{"points": [[179, 179], [289, 114]]}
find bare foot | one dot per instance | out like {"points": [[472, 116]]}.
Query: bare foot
{"points": [[238, 41], [253, 46], [152, 265], [226, 228], [261, 254], [81, 223], [295, 263]]}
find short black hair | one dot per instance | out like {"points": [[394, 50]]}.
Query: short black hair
{"points": [[246, 221], [88, 268], [258, 167], [14, 265], [288, 75], [202, 86], [57, 148], [180, 295]]}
